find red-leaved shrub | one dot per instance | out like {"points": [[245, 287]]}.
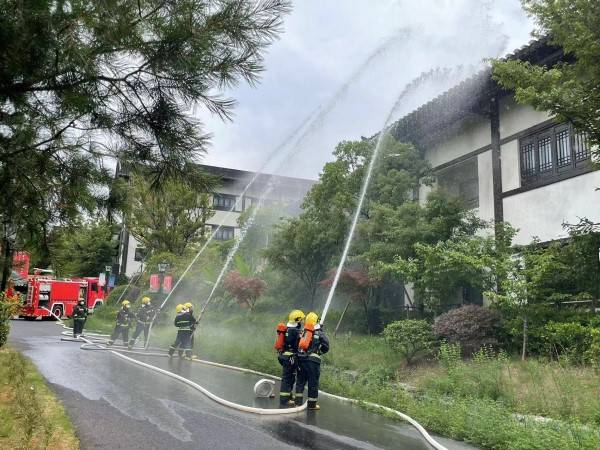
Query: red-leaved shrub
{"points": [[471, 326], [246, 290]]}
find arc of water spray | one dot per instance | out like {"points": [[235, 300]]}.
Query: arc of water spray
{"points": [[366, 181], [308, 125], [315, 120], [216, 230]]}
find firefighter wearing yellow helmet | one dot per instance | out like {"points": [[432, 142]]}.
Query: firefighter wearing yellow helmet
{"points": [[123, 322], [183, 323], [312, 345], [144, 316], [190, 307], [288, 336]]}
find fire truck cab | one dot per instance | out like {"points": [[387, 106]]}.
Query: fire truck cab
{"points": [[45, 294]]}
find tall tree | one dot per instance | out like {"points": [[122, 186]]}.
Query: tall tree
{"points": [[307, 246], [169, 219], [569, 90], [82, 81], [84, 250]]}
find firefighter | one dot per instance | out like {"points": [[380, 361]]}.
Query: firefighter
{"points": [[190, 307], [288, 356], [183, 323], [313, 344], [80, 313], [124, 317], [144, 316]]}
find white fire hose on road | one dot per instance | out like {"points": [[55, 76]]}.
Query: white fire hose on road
{"points": [[89, 344]]}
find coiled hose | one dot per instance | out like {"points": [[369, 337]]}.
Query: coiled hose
{"points": [[91, 341]]}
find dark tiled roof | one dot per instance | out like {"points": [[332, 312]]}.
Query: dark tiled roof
{"points": [[469, 99]]}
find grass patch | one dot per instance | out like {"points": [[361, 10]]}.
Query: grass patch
{"points": [[30, 415]]}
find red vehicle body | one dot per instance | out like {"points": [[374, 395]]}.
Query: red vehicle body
{"points": [[59, 296]]}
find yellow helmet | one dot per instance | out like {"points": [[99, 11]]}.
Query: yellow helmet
{"points": [[188, 305], [125, 303], [312, 318], [145, 300], [179, 308], [296, 316]]}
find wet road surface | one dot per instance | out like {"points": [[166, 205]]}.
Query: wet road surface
{"points": [[115, 404]]}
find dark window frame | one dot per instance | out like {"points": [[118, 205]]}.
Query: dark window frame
{"points": [[224, 202], [566, 155], [458, 180], [139, 254], [224, 233]]}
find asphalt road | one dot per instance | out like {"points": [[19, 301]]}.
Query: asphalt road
{"points": [[115, 404]]}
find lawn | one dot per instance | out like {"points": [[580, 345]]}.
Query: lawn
{"points": [[30, 415]]}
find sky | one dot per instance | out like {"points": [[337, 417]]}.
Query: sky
{"points": [[350, 60]]}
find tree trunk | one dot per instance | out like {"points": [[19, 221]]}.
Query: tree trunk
{"points": [[6, 264], [364, 302], [341, 317], [525, 336]]}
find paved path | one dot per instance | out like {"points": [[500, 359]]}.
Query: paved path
{"points": [[117, 405]]}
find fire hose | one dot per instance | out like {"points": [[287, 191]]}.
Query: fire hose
{"points": [[91, 342]]}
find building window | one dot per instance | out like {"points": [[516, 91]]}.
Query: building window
{"points": [[140, 254], [223, 233], [461, 180], [224, 202], [553, 152]]}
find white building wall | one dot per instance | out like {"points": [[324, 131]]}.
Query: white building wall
{"points": [[541, 212], [515, 118], [132, 265], [471, 136], [486, 186], [511, 178]]}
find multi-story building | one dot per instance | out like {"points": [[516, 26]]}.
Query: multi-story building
{"points": [[509, 162], [229, 200]]}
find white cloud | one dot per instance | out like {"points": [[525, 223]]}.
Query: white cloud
{"points": [[325, 42]]}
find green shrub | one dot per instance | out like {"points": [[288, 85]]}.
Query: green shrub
{"points": [[409, 338], [567, 340], [4, 330], [471, 326], [592, 354]]}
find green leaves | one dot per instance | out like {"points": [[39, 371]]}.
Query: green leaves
{"points": [[568, 90], [167, 220]]}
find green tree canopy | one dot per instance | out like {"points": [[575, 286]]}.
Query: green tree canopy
{"points": [[85, 81], [84, 250], [569, 90], [169, 219]]}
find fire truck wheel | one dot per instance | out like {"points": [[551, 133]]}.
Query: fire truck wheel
{"points": [[57, 311]]}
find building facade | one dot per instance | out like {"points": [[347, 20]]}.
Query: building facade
{"points": [[230, 199], [509, 162]]}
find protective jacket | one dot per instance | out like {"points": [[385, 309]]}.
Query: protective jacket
{"points": [[315, 343], [145, 314], [183, 321], [292, 337], [80, 312], [124, 317]]}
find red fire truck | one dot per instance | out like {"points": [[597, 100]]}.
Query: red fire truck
{"points": [[59, 296]]}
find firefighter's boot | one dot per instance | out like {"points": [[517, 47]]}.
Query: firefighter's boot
{"points": [[130, 345], [180, 353], [171, 351], [312, 405], [109, 343], [188, 355]]}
